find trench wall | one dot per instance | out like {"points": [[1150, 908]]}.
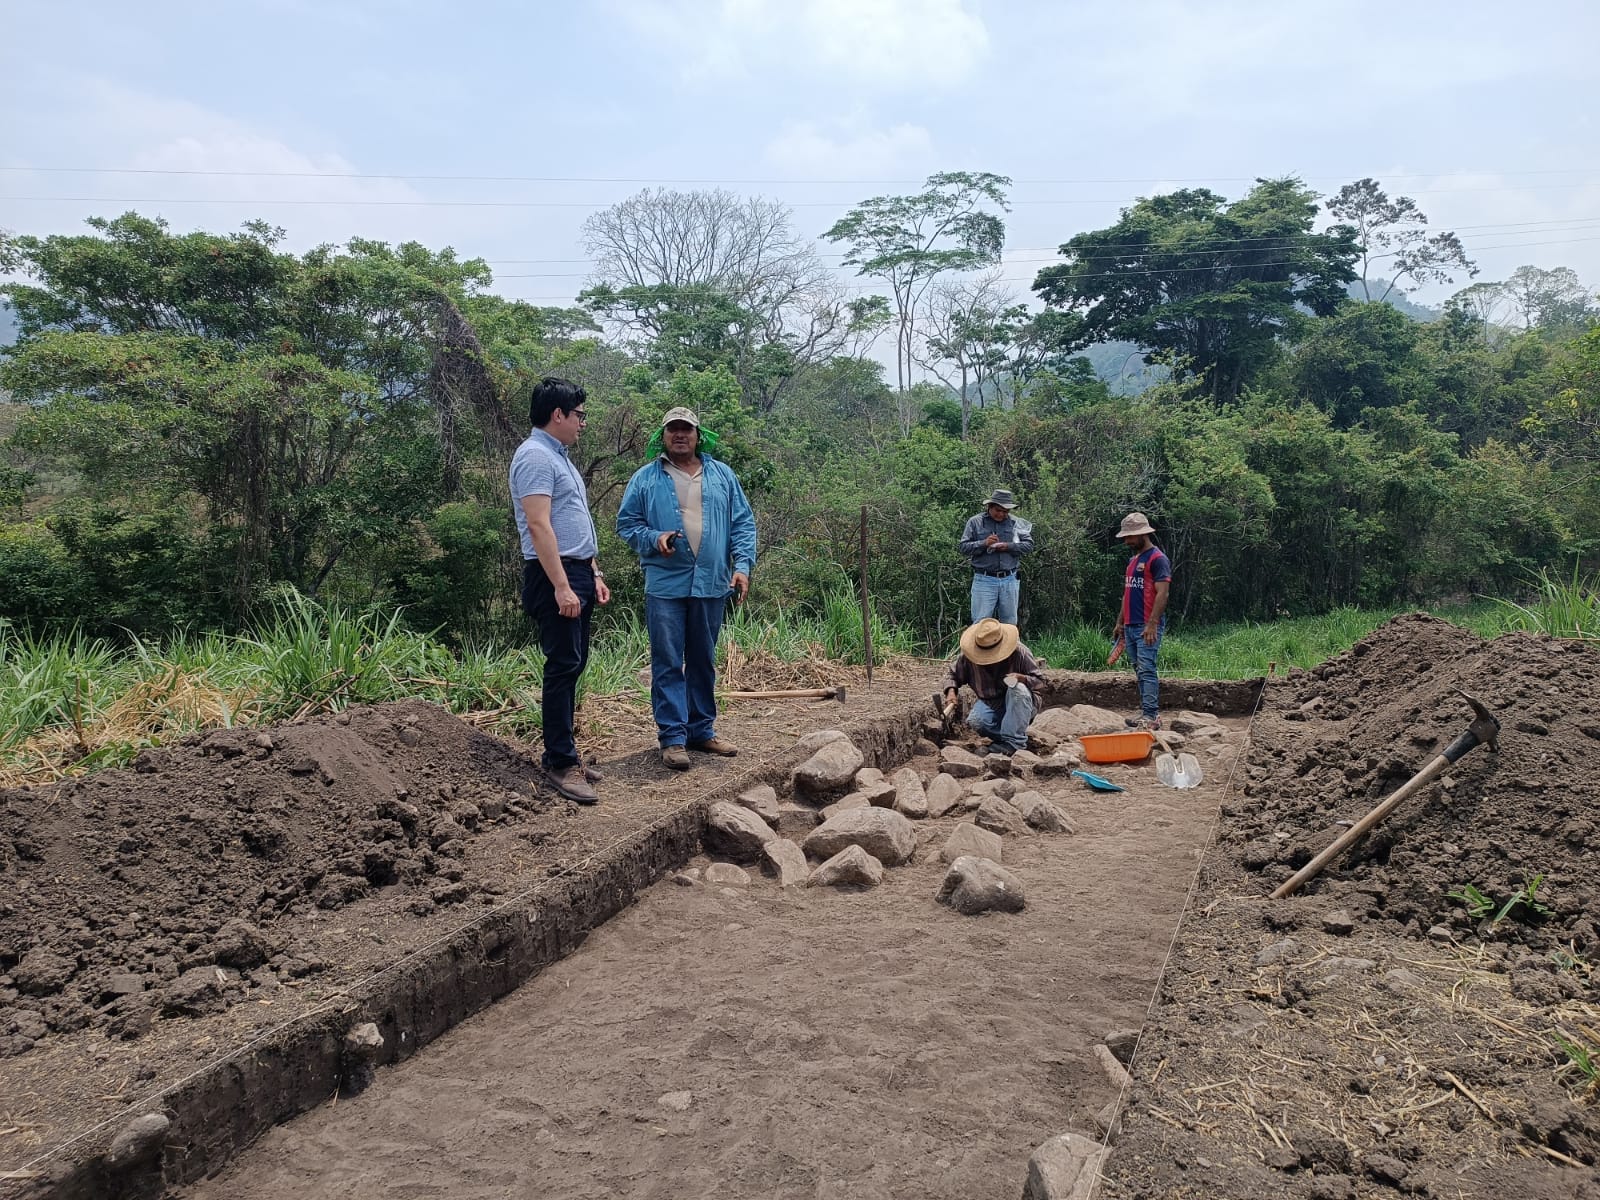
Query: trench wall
{"points": [[225, 1106]]}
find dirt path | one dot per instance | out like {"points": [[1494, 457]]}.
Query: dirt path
{"points": [[831, 1044]]}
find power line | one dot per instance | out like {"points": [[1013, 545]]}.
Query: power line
{"points": [[597, 205], [863, 289], [1129, 249], [649, 180]]}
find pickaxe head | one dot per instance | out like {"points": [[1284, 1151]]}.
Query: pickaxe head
{"points": [[1484, 730], [839, 693]]}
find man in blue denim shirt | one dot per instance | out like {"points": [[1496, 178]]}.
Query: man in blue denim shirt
{"points": [[995, 540], [687, 518]]}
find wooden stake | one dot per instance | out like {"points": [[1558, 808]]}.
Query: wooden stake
{"points": [[866, 600]]}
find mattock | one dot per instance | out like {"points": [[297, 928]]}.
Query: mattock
{"points": [[1484, 730]]}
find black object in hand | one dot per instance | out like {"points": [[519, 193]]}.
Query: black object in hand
{"points": [[672, 539]]}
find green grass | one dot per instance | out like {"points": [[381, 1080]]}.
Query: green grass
{"points": [[1243, 650], [1560, 607], [73, 702]]}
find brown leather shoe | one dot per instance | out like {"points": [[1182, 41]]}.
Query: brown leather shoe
{"points": [[715, 745], [675, 757], [572, 784]]}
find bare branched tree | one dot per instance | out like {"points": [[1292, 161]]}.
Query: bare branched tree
{"points": [[1394, 233]]}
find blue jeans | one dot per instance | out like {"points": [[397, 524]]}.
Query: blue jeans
{"points": [[1143, 660], [997, 598], [683, 666], [565, 641], [1008, 724]]}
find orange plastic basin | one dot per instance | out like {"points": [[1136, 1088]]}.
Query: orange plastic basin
{"points": [[1117, 747]]}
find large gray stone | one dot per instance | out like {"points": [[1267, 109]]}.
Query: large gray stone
{"points": [[880, 794], [763, 801], [997, 816], [787, 861], [967, 839], [1066, 1167], [797, 820], [830, 769], [982, 789], [975, 885], [868, 777], [960, 763], [735, 832], [909, 797], [944, 794], [881, 832], [851, 867], [1062, 762], [814, 741], [1058, 727], [1040, 814], [139, 1138], [845, 804]]}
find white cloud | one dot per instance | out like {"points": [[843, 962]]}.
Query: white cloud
{"points": [[890, 44], [806, 149]]}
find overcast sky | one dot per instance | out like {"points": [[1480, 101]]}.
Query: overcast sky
{"points": [[1483, 112]]}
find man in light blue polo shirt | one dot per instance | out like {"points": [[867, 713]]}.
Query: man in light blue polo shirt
{"points": [[561, 581]]}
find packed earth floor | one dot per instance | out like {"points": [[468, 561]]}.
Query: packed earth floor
{"points": [[1380, 1034]]}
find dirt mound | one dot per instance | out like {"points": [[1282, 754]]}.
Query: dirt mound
{"points": [[1373, 1034], [1334, 741], [160, 889]]}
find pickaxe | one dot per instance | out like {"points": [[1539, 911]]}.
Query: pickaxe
{"points": [[821, 693], [1484, 730]]}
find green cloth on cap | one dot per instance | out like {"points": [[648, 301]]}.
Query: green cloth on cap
{"points": [[657, 446]]}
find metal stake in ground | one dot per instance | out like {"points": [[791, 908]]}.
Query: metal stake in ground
{"points": [[866, 600], [1484, 729]]}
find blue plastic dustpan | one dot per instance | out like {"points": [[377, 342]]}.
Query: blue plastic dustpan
{"points": [[1098, 784]]}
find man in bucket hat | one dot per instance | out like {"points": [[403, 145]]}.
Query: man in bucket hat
{"points": [[1005, 678], [995, 540], [687, 519], [1142, 618]]}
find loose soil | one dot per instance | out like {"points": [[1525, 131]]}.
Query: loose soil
{"points": [[154, 919], [752, 1041], [1371, 1036]]}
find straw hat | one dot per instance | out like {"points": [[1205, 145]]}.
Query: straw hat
{"points": [[1133, 525], [989, 642]]}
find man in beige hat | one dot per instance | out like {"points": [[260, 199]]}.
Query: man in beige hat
{"points": [[1142, 618], [1005, 678], [687, 519], [995, 540]]}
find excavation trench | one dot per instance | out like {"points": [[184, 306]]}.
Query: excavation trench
{"points": [[655, 1036]]}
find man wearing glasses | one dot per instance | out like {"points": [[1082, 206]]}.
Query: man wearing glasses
{"points": [[561, 581]]}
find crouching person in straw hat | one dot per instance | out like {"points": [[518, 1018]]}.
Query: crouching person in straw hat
{"points": [[1004, 676], [995, 540], [687, 519]]}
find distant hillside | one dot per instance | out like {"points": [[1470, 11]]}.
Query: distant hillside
{"points": [[1398, 299], [1122, 366]]}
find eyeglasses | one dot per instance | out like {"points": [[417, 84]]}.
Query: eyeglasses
{"points": [[580, 414]]}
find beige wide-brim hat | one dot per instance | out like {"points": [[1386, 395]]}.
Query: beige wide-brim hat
{"points": [[989, 641], [1135, 524]]}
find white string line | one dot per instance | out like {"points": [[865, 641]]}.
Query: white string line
{"points": [[345, 992], [1194, 886]]}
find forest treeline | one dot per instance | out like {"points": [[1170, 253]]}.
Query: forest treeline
{"points": [[199, 422]]}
